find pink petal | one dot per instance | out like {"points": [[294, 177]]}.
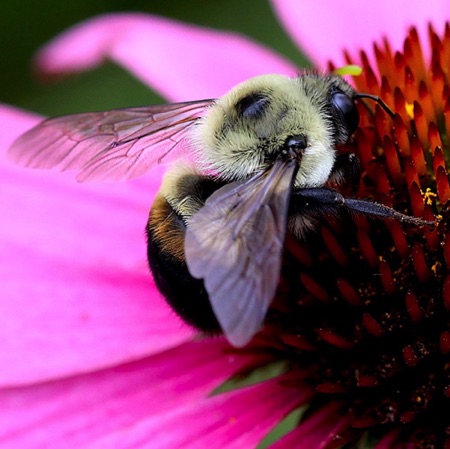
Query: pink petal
{"points": [[13, 123], [112, 404], [323, 29], [180, 61], [76, 289], [235, 420]]}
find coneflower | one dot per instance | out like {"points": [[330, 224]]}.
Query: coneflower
{"points": [[362, 315], [358, 332]]}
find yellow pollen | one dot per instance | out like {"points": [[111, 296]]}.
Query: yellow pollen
{"points": [[435, 267], [429, 197], [409, 107], [351, 69]]}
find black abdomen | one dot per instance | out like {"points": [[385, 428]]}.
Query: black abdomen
{"points": [[165, 251]]}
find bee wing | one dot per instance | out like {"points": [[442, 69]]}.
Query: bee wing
{"points": [[235, 242], [112, 145]]}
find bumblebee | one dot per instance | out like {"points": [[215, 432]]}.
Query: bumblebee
{"points": [[246, 167]]}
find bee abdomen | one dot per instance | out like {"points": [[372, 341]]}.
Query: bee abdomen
{"points": [[165, 251]]}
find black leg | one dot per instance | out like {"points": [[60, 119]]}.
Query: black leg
{"points": [[377, 210], [324, 201]]}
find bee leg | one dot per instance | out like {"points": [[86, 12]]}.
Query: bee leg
{"points": [[316, 201], [377, 210], [307, 208], [166, 230]]}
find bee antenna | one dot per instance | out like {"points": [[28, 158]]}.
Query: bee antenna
{"points": [[379, 101]]}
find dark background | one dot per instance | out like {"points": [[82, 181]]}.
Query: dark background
{"points": [[28, 24]]}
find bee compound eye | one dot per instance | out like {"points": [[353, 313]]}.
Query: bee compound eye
{"points": [[252, 106], [346, 108]]}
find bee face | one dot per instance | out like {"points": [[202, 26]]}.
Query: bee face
{"points": [[247, 129]]}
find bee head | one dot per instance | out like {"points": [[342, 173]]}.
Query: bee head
{"points": [[248, 128]]}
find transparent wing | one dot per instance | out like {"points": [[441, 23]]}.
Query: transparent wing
{"points": [[112, 145], [235, 242]]}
